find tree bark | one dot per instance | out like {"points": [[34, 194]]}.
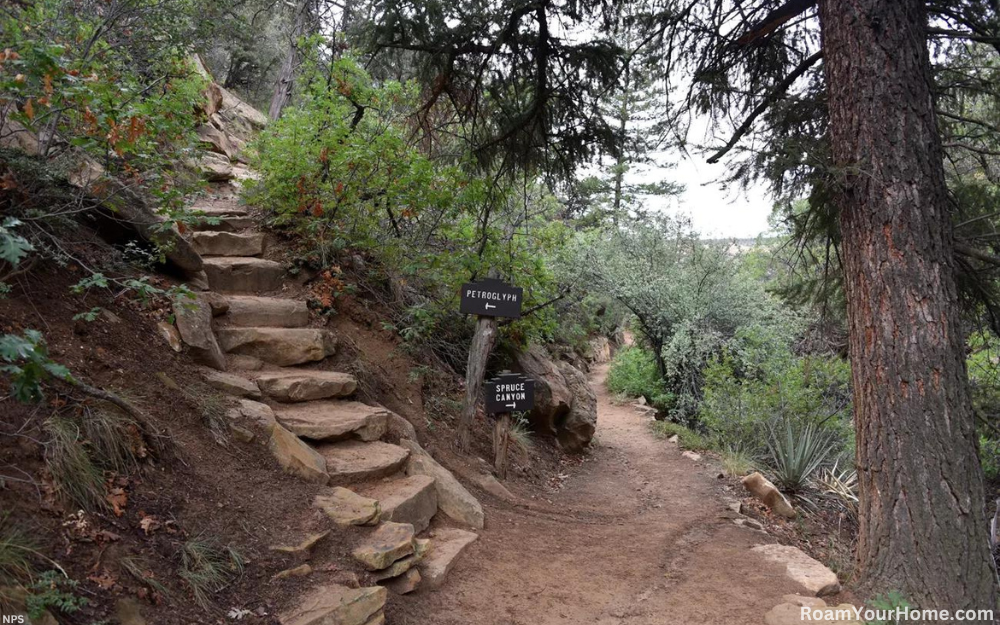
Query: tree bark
{"points": [[479, 353], [923, 527], [501, 443], [286, 75]]}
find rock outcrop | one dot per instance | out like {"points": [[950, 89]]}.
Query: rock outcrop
{"points": [[453, 499], [768, 493], [565, 405], [194, 321]]}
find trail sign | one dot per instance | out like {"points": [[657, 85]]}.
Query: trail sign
{"points": [[491, 298], [509, 392]]}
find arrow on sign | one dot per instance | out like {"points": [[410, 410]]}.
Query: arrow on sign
{"points": [[512, 405], [489, 306]]}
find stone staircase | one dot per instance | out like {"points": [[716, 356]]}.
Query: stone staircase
{"points": [[256, 341]]}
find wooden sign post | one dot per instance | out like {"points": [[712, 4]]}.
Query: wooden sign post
{"points": [[488, 299], [506, 394]]}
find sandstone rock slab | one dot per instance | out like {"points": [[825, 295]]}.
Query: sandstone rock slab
{"points": [[355, 461], [279, 346], [446, 546], [298, 386], [345, 507], [257, 412], [405, 583], [303, 547], [297, 458], [218, 243], [390, 542], [231, 384], [238, 274], [249, 311], [799, 567], [334, 420], [410, 500], [453, 498], [333, 604], [194, 322]]}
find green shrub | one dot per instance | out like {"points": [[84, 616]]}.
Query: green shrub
{"points": [[52, 590], [797, 453], [737, 462], [686, 437], [989, 457], [633, 373]]}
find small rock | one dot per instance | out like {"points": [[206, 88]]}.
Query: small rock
{"points": [[767, 492], [241, 433], [254, 410], [446, 546], [217, 302], [345, 507], [405, 583], [690, 455], [297, 458], [390, 542], [299, 571], [303, 547], [170, 335], [674, 439], [799, 567], [398, 567]]}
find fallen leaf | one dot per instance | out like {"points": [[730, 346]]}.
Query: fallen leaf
{"points": [[118, 500]]}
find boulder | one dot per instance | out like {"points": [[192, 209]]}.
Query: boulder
{"points": [[690, 455], [259, 413], [216, 140], [345, 507], [355, 461], [453, 499], [214, 168], [446, 546], [390, 542], [599, 350], [228, 243], [800, 568], [279, 346], [250, 311], [297, 458], [553, 399], [194, 321], [333, 421], [410, 500], [333, 604], [769, 494], [231, 384], [237, 274], [575, 432], [398, 428], [298, 571], [219, 303], [405, 583], [303, 385]]}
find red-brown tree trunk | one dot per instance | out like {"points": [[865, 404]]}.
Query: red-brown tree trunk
{"points": [[923, 523]]}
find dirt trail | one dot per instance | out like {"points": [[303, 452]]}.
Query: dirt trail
{"points": [[641, 537]]}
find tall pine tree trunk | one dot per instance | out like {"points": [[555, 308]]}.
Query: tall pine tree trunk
{"points": [[286, 74], [923, 524]]}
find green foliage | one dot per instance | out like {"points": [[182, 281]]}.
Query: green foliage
{"points": [[745, 392], [52, 590], [989, 457], [28, 364], [737, 462], [208, 567], [888, 603], [633, 373], [686, 437], [13, 247], [797, 452]]}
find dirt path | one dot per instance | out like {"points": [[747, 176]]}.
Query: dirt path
{"points": [[641, 537]]}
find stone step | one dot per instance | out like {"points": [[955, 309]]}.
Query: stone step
{"points": [[228, 243], [446, 545], [301, 385], [240, 274], [356, 461], [219, 208], [251, 310], [227, 223], [410, 500], [278, 346], [387, 544], [231, 384], [334, 420]]}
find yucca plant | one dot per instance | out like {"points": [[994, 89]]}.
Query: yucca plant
{"points": [[842, 484], [797, 452]]}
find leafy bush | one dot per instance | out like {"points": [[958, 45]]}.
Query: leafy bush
{"points": [[633, 373], [989, 457], [797, 453], [52, 590], [743, 395], [28, 364]]}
